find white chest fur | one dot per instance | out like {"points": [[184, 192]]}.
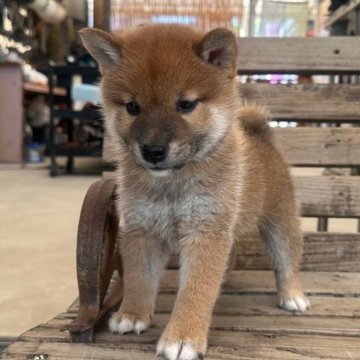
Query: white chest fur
{"points": [[169, 218]]}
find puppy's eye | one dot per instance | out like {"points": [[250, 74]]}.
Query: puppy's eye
{"points": [[186, 106], [132, 108]]}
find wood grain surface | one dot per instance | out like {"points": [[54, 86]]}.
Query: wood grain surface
{"points": [[246, 324], [310, 102], [315, 146], [299, 55]]}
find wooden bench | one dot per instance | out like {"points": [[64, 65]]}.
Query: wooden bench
{"points": [[246, 322]]}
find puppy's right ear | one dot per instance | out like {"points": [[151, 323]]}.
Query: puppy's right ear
{"points": [[102, 46]]}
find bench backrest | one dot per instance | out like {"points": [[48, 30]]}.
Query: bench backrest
{"points": [[333, 140]]}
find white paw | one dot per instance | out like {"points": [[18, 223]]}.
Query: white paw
{"points": [[295, 304], [123, 324], [180, 350]]}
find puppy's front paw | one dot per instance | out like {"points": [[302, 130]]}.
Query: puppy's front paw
{"points": [[179, 346], [123, 323], [294, 303]]}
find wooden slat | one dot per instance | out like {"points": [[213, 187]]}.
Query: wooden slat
{"points": [[246, 325], [312, 146], [257, 305], [243, 348], [306, 102], [293, 326], [226, 333], [299, 55], [332, 196], [323, 251], [263, 282], [341, 315], [250, 304]]}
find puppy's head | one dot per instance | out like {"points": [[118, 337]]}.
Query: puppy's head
{"points": [[168, 92]]}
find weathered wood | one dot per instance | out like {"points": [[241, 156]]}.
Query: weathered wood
{"points": [[323, 251], [243, 348], [266, 304], [263, 282], [255, 319], [299, 55], [332, 196], [287, 326], [339, 103], [313, 146], [246, 324], [251, 331]]}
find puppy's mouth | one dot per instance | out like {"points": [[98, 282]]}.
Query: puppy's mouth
{"points": [[166, 168], [158, 169]]}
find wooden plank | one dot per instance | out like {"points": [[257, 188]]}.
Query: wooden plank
{"points": [[253, 323], [256, 305], [290, 324], [243, 348], [249, 304], [332, 55], [258, 287], [322, 252], [247, 320], [296, 331], [331, 196], [310, 102], [263, 282], [310, 146]]}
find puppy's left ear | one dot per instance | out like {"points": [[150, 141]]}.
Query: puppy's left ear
{"points": [[218, 48]]}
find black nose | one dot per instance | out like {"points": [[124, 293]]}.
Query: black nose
{"points": [[154, 153]]}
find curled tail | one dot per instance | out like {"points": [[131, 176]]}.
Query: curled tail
{"points": [[255, 121]]}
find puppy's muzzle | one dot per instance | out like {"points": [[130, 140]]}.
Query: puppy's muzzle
{"points": [[154, 153]]}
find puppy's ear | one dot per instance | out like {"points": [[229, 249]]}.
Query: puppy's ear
{"points": [[102, 46], [218, 48]]}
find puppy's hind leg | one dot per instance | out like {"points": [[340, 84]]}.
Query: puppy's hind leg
{"points": [[284, 244]]}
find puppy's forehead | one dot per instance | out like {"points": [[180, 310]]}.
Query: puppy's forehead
{"points": [[159, 62], [170, 36], [157, 49]]}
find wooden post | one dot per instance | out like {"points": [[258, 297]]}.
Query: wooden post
{"points": [[102, 14]]}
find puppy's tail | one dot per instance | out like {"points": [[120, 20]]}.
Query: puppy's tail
{"points": [[255, 121]]}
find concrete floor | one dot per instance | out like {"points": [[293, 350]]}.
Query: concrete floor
{"points": [[39, 217]]}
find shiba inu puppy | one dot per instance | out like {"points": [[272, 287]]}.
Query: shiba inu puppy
{"points": [[197, 171]]}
